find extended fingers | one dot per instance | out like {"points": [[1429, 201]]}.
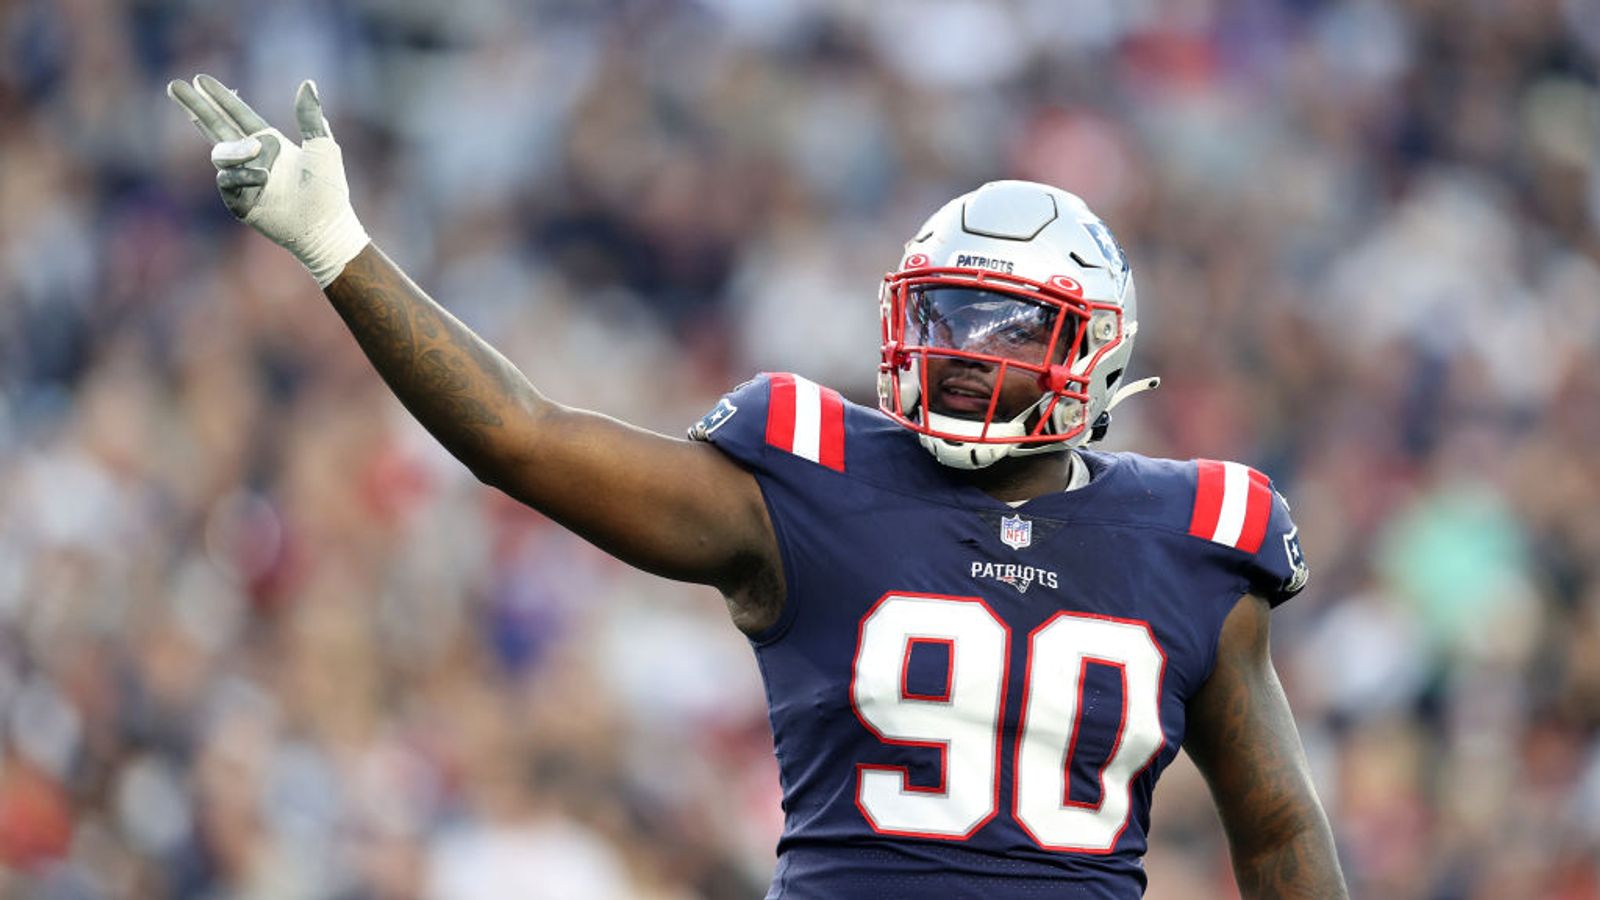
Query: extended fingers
{"points": [[211, 120], [242, 116], [308, 112]]}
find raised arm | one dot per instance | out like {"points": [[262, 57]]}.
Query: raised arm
{"points": [[674, 507], [1242, 737]]}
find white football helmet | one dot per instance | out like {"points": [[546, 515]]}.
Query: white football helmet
{"points": [[1015, 276]]}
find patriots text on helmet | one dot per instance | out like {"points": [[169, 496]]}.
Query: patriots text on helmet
{"points": [[974, 261]]}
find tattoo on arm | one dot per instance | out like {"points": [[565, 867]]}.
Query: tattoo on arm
{"points": [[1243, 737], [456, 385], [590, 473]]}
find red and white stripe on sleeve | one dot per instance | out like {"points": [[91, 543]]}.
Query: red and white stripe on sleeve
{"points": [[807, 420], [1232, 505]]}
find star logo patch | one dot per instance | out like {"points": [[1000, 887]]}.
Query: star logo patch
{"points": [[711, 421]]}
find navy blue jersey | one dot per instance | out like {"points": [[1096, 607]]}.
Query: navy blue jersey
{"points": [[971, 698]]}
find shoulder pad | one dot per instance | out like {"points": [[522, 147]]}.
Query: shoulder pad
{"points": [[782, 411], [807, 420], [1236, 506], [1231, 505]]}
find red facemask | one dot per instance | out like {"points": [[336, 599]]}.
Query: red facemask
{"points": [[980, 329]]}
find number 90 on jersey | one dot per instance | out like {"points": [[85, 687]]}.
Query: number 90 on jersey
{"points": [[966, 723]]}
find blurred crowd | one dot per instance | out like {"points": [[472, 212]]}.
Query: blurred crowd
{"points": [[261, 638]]}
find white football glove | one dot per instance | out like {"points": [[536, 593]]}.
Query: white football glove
{"points": [[296, 195]]}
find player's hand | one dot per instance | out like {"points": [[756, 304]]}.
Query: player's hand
{"points": [[295, 194]]}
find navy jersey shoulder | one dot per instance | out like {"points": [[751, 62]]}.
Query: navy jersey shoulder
{"points": [[1229, 505], [941, 653], [776, 421], [786, 421]]}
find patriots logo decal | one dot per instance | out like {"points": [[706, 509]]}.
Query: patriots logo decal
{"points": [[1299, 571], [711, 421], [1111, 251]]}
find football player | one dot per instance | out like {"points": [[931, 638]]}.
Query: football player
{"points": [[982, 642]]}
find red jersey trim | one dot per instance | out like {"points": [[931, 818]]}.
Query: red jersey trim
{"points": [[807, 420], [1232, 505]]}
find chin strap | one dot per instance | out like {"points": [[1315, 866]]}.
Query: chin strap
{"points": [[1128, 390], [1131, 388]]}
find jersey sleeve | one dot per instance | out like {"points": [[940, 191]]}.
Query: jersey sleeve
{"points": [[1237, 507], [789, 433], [777, 416], [1278, 570]]}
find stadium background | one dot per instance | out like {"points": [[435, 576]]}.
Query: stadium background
{"points": [[259, 637]]}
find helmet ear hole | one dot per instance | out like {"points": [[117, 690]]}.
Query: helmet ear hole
{"points": [[1101, 424], [1111, 380]]}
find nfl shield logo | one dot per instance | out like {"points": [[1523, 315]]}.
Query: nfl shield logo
{"points": [[1016, 532]]}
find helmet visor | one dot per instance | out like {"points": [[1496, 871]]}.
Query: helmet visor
{"points": [[985, 323]]}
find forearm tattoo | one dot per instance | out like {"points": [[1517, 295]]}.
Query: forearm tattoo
{"points": [[449, 378]]}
